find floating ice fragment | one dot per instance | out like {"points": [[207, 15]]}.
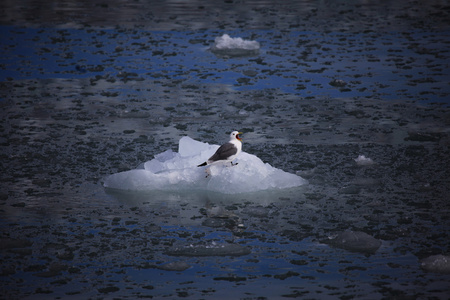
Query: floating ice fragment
{"points": [[212, 249], [171, 171], [337, 83], [226, 45], [174, 266], [364, 161], [227, 42], [356, 241], [436, 263], [219, 223], [306, 173]]}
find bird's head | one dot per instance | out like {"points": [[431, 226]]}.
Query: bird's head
{"points": [[235, 135]]}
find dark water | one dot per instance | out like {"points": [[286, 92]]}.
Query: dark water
{"points": [[391, 65], [91, 88]]}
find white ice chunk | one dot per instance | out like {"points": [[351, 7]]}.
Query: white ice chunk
{"points": [[364, 161], [190, 147], [234, 46], [227, 42], [156, 165], [173, 171]]}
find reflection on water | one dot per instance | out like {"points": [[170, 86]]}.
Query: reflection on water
{"points": [[202, 197]]}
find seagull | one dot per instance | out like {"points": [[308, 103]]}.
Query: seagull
{"points": [[227, 152]]}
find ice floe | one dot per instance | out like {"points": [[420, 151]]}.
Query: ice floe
{"points": [[355, 241], [226, 45], [362, 160], [436, 263], [178, 171], [174, 266], [212, 249]]}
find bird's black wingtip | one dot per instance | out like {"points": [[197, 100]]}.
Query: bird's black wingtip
{"points": [[203, 164]]}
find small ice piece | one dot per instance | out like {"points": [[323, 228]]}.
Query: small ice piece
{"points": [[306, 173], [364, 161], [337, 83], [436, 263], [174, 266], [356, 241], [219, 223], [212, 249], [226, 45], [172, 171]]}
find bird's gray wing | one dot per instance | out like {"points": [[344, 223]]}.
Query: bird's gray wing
{"points": [[224, 151]]}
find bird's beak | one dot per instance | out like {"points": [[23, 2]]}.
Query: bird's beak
{"points": [[238, 137]]}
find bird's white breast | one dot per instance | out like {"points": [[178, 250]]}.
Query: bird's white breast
{"points": [[238, 145]]}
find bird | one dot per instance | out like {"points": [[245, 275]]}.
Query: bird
{"points": [[227, 152]]}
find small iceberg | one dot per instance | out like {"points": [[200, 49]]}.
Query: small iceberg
{"points": [[228, 46], [355, 241], [436, 263], [172, 171], [362, 160]]}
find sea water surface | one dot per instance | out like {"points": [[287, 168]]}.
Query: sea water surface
{"points": [[92, 89], [304, 63]]}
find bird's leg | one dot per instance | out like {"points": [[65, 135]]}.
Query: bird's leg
{"points": [[208, 172]]}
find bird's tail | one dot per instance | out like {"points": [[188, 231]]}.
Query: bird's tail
{"points": [[203, 164]]}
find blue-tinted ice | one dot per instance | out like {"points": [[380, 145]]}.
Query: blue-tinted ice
{"points": [[173, 171]]}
